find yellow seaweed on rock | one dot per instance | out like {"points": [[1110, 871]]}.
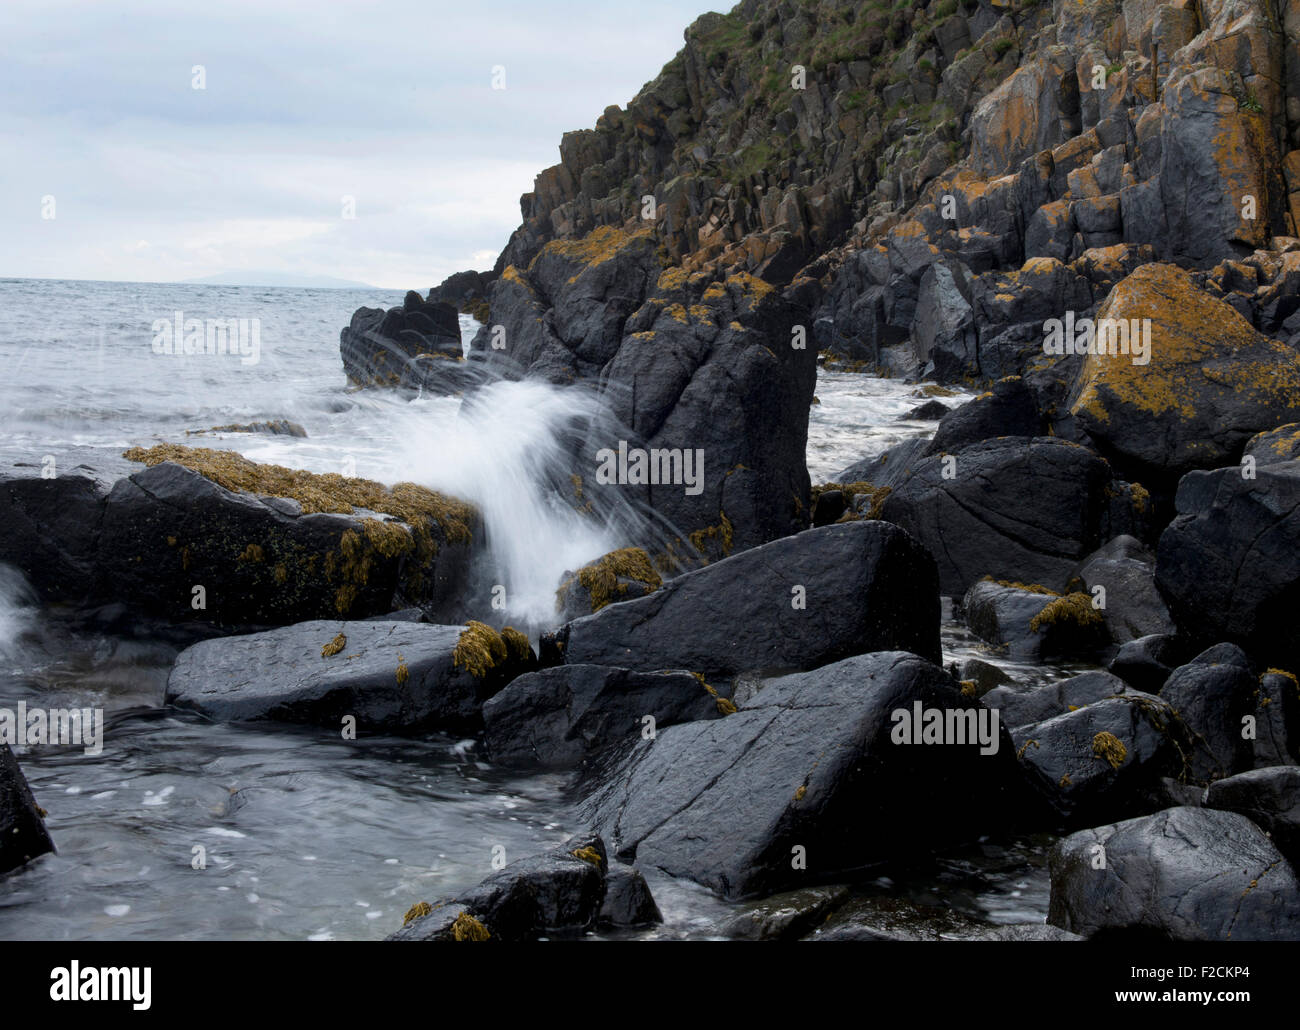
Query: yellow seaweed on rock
{"points": [[479, 650]]}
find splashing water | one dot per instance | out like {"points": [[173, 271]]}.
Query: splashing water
{"points": [[18, 609], [511, 453]]}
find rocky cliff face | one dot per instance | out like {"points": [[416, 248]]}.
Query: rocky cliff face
{"points": [[927, 187]]}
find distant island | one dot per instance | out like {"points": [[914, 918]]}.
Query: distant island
{"points": [[256, 277]]}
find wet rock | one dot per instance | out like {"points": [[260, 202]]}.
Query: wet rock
{"points": [[1125, 570], [1275, 446], [888, 468], [1009, 409], [807, 770], [1019, 509], [1187, 874], [555, 717], [1229, 563], [1210, 384], [784, 916], [898, 919], [23, 836], [864, 586], [389, 676], [1270, 798], [622, 575], [983, 676], [1277, 720], [930, 411], [1104, 760], [560, 891], [1032, 622], [1146, 663], [628, 901], [1020, 707], [378, 346], [1213, 694]]}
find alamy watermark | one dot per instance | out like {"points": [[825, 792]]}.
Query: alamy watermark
{"points": [[1113, 336], [191, 336], [67, 726], [659, 466], [921, 725]]}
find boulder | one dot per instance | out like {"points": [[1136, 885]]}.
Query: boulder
{"points": [[1144, 664], [1209, 384], [1019, 509], [1104, 760], [23, 836], [378, 346], [1020, 707], [1229, 563], [806, 782], [556, 717], [796, 603], [1277, 720], [1125, 570], [1270, 798], [1008, 409], [1185, 874], [1033, 623], [621, 575], [784, 916], [628, 901], [388, 676], [1274, 446], [271, 545], [1213, 694], [561, 891]]}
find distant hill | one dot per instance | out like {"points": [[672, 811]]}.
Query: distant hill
{"points": [[257, 277]]}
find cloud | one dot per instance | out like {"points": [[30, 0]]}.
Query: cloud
{"points": [[305, 104]]}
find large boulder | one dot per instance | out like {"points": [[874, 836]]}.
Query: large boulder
{"points": [[1229, 563], [796, 603], [555, 717], [1035, 109], [387, 676], [1019, 509], [1270, 798], [1214, 694], [1188, 874], [815, 777], [1019, 706], [1211, 381], [270, 545], [1104, 760], [23, 836], [1125, 571]]}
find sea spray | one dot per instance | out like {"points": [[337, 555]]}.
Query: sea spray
{"points": [[513, 453], [17, 609]]}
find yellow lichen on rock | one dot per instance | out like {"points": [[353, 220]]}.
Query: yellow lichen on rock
{"points": [[417, 911], [334, 646], [479, 650], [467, 928], [587, 855], [517, 645], [1076, 608], [1109, 747], [602, 579]]}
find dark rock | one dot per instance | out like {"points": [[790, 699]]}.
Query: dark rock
{"points": [[556, 717], [1033, 624], [1229, 563], [983, 675], [1009, 409], [1213, 694], [1187, 874], [1144, 664], [930, 411], [389, 676], [867, 587], [1270, 798], [784, 916], [807, 769], [1125, 570], [877, 918], [379, 346], [889, 468], [1020, 707], [557, 892], [628, 901], [23, 836], [1018, 509], [1275, 446], [1277, 720], [1104, 759]]}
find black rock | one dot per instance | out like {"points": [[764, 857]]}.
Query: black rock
{"points": [[1031, 624], [1213, 694], [1270, 798], [389, 676], [1144, 664], [1020, 707], [1125, 570], [23, 836], [379, 346], [805, 783], [864, 586], [1008, 409], [557, 716], [1184, 874], [628, 901]]}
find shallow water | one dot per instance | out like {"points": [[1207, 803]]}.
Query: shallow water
{"points": [[303, 835]]}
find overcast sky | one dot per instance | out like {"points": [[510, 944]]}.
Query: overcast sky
{"points": [[390, 103]]}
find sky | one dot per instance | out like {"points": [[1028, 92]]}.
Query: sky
{"points": [[116, 167]]}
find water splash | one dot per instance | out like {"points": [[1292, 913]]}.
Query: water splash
{"points": [[18, 607], [511, 453]]}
